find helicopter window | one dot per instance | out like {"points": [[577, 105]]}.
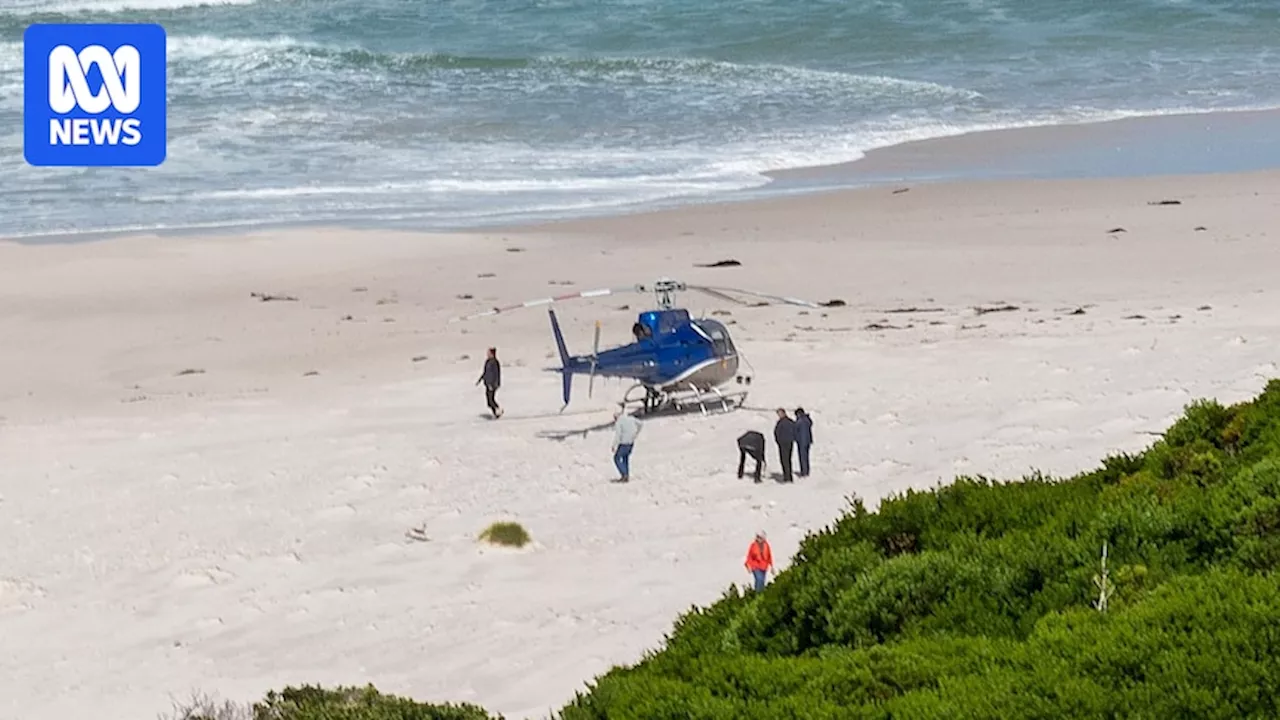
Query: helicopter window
{"points": [[720, 340]]}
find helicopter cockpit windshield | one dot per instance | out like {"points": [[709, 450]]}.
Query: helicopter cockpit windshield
{"points": [[720, 339]]}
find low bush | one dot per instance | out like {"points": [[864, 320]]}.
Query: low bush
{"points": [[316, 703], [506, 533], [351, 703], [203, 707]]}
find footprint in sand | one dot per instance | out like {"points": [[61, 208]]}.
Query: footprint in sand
{"points": [[358, 483], [18, 594], [414, 489], [885, 465], [1120, 425], [203, 578], [1060, 404], [337, 512]]}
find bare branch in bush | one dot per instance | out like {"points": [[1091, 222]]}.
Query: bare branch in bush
{"points": [[202, 706]]}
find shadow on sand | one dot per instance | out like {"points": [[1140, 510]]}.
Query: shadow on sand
{"points": [[508, 417], [562, 435], [667, 412]]}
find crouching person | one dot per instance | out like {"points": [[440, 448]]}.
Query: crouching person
{"points": [[751, 444]]}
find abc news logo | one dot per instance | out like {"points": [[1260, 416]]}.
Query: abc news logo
{"points": [[94, 95], [69, 89]]}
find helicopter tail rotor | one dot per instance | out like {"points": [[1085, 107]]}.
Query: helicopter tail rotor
{"points": [[595, 361]]}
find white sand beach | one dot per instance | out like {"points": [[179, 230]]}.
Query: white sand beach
{"points": [[241, 526]]}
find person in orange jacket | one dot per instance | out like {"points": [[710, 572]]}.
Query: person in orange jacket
{"points": [[759, 560]]}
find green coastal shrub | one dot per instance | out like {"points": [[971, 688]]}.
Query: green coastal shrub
{"points": [[506, 533], [315, 703], [351, 703]]}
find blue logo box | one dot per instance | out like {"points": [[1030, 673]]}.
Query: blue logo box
{"points": [[94, 95]]}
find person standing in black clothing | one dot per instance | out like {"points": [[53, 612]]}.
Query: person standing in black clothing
{"points": [[804, 439], [492, 379], [751, 443], [784, 433]]}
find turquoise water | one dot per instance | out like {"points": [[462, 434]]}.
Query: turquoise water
{"points": [[440, 114]]}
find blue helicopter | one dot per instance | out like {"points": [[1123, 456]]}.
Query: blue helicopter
{"points": [[676, 361]]}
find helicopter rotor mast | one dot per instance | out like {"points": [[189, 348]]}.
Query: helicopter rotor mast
{"points": [[664, 292]]}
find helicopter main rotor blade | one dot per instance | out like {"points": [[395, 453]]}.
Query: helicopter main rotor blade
{"points": [[719, 295], [723, 291], [544, 301]]}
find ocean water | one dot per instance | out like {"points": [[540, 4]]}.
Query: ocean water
{"points": [[441, 114]]}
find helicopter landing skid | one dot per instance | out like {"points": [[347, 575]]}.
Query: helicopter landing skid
{"points": [[706, 400]]}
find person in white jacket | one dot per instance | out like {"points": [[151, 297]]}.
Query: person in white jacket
{"points": [[625, 430]]}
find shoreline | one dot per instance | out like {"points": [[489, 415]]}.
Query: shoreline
{"points": [[1234, 141], [1247, 141], [958, 160]]}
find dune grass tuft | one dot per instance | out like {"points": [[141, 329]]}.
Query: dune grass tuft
{"points": [[509, 534]]}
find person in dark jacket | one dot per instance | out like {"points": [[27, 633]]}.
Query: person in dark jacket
{"points": [[804, 438], [751, 443], [492, 379], [784, 433]]}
